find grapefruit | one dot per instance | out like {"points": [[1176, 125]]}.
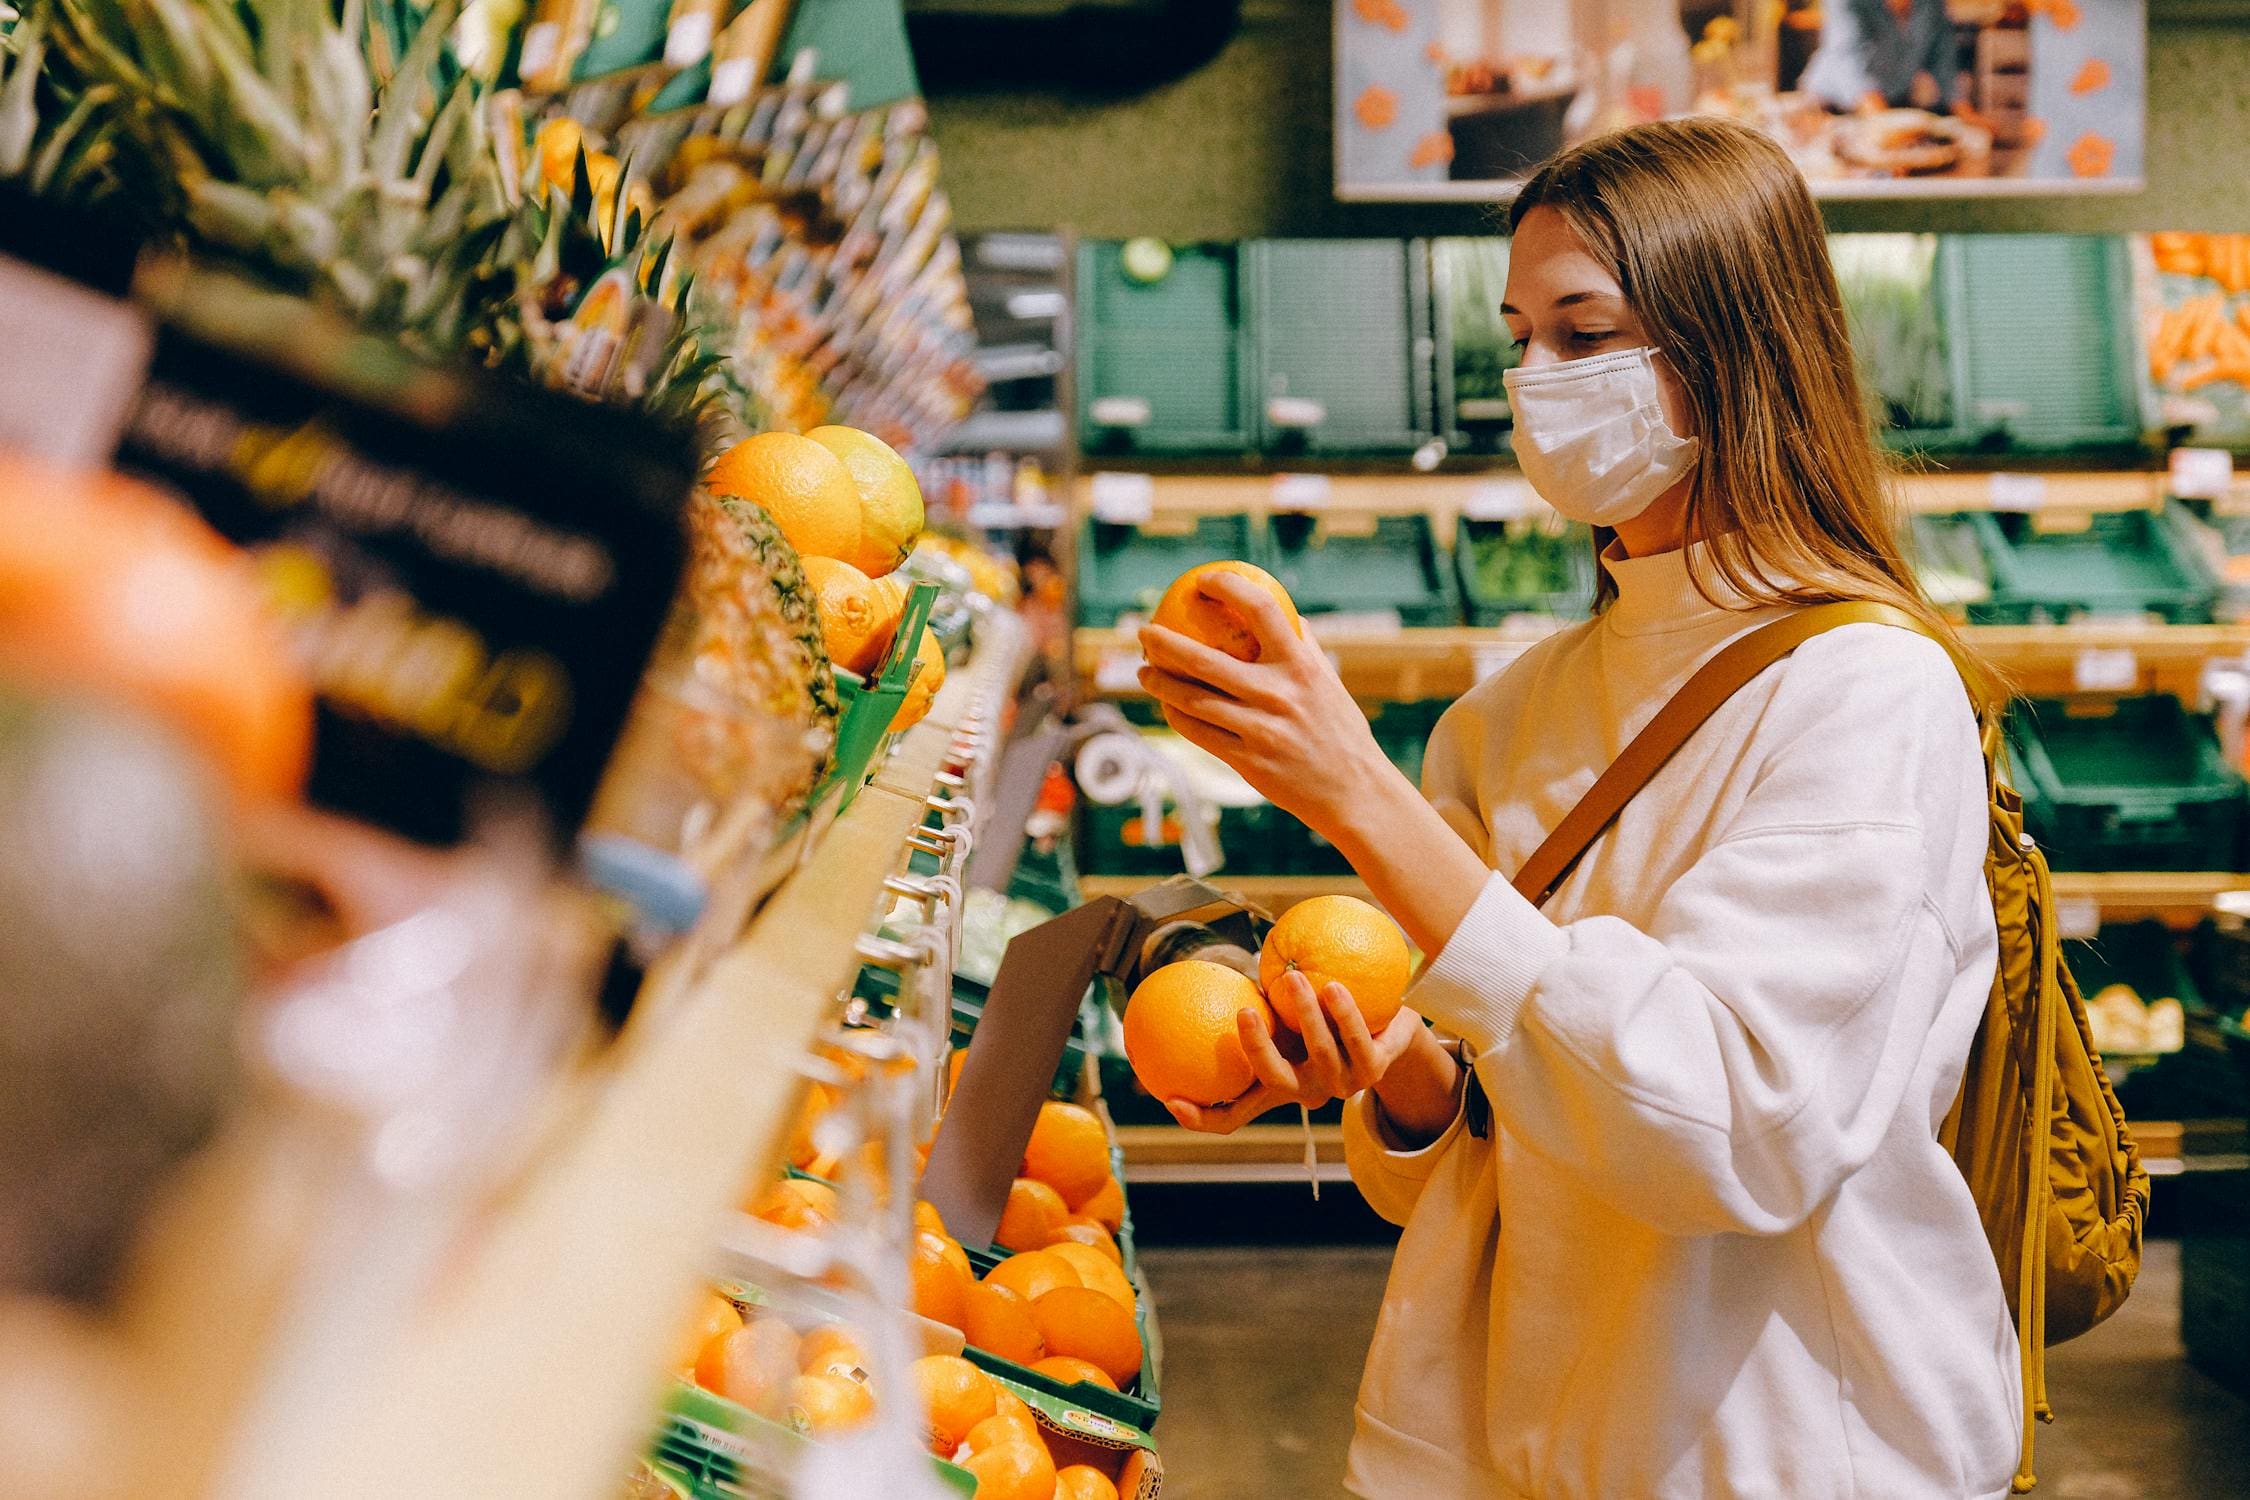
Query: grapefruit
{"points": [[890, 500], [1180, 1035]]}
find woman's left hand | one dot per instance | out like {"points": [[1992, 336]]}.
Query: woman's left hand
{"points": [[1285, 721], [1326, 1052]]}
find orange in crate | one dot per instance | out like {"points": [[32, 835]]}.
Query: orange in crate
{"points": [[1082, 1323]]}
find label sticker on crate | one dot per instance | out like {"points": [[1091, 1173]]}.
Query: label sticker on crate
{"points": [[2017, 491], [1124, 499], [1301, 491], [2105, 669], [2202, 473], [1501, 500]]}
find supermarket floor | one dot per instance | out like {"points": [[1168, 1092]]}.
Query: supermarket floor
{"points": [[1262, 1349]]}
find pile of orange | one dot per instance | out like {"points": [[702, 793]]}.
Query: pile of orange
{"points": [[816, 1381], [1181, 1035], [988, 1429], [852, 509]]}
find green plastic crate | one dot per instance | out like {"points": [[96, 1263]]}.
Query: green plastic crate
{"points": [[1522, 567], [1891, 287], [1340, 335], [2127, 784], [1397, 566], [1474, 346], [2137, 563], [1161, 363], [1137, 1405], [2044, 350], [1124, 570], [719, 1448]]}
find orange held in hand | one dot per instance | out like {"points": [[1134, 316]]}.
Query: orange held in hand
{"points": [[1180, 1035], [1340, 940], [1186, 609], [1081, 1323], [1068, 1150]]}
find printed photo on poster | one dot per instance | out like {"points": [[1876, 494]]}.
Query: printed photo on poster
{"points": [[1460, 99]]}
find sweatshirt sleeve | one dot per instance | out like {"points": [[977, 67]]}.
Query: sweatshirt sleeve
{"points": [[1389, 1176], [1726, 1068]]}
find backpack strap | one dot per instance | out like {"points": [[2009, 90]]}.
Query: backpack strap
{"points": [[1713, 683]]}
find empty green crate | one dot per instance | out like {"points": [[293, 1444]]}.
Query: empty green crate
{"points": [[1397, 566], [1339, 331], [1523, 567], [2043, 345], [1124, 570], [1160, 361], [2127, 784], [2125, 563], [1474, 347]]}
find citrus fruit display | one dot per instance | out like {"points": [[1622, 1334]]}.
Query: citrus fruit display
{"points": [[1180, 1035], [890, 500], [795, 1203], [1106, 1207], [833, 1349], [714, 1318], [1033, 1274], [998, 1320], [1068, 1150], [827, 1403], [804, 487], [955, 1397], [1098, 1272], [1082, 1323], [1185, 608], [1013, 1469], [1081, 1230], [752, 1366], [852, 623], [1003, 1427], [1340, 940], [1034, 1214], [1083, 1482], [940, 1284], [922, 689], [1068, 1369]]}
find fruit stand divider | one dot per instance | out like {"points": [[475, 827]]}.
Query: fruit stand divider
{"points": [[535, 1370]]}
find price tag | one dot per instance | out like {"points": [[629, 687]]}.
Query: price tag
{"points": [[689, 40], [2202, 473], [1124, 499], [2018, 491], [2078, 917], [1500, 500], [1301, 491], [2101, 669], [1118, 671]]}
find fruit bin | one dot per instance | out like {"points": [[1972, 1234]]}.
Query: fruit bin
{"points": [[867, 705], [718, 1447], [1523, 567], [1161, 356], [2134, 563], [2126, 784], [1340, 333], [1137, 1406], [1392, 567], [1124, 569]]}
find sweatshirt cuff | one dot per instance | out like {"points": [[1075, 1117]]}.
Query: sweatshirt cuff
{"points": [[1478, 983]]}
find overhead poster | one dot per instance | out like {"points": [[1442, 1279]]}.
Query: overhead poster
{"points": [[1460, 99]]}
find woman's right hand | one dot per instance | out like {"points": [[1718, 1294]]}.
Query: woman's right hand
{"points": [[1330, 1055]]}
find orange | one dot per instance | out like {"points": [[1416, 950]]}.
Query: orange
{"points": [[1340, 940], [1033, 1214], [890, 501], [1083, 1230], [1008, 1406], [956, 1395], [926, 1217], [802, 485], [1083, 1482], [794, 1203], [832, 1349], [1013, 1470], [1006, 1427], [928, 678], [851, 617], [1106, 1207], [1082, 1323], [1180, 1032], [998, 1320], [953, 1069], [941, 1285], [752, 1366], [1071, 1370], [1098, 1271], [715, 1317], [1185, 609], [1033, 1274], [819, 1099], [1068, 1150], [827, 1403]]}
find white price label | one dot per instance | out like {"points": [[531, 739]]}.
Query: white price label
{"points": [[1124, 499], [2078, 917], [1118, 672], [689, 40], [1301, 491], [2101, 669], [71, 362], [2018, 491], [1500, 500], [732, 81], [2202, 473]]}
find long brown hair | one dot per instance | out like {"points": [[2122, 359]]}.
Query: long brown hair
{"points": [[1721, 252]]}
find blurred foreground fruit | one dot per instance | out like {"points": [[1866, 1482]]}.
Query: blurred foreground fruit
{"points": [[828, 1403], [1180, 1035], [833, 1349], [890, 501], [1185, 609], [752, 1366], [851, 615], [955, 1397], [714, 1317], [929, 676], [802, 485], [1340, 940]]}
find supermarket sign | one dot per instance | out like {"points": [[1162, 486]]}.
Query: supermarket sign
{"points": [[473, 572]]}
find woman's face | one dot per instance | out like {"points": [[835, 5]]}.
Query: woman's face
{"points": [[1561, 305]]}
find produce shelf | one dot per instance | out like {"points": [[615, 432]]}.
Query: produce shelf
{"points": [[1255, 1153], [2039, 660]]}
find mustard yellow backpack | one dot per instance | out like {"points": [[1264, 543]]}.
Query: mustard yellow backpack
{"points": [[2037, 1130]]}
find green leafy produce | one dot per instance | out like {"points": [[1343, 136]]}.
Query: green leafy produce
{"points": [[1889, 286], [1531, 564]]}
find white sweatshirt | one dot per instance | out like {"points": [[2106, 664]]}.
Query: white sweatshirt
{"points": [[1709, 1245]]}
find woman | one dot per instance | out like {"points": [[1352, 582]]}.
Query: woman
{"points": [[1697, 1237]]}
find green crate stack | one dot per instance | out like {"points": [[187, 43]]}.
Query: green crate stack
{"points": [[2127, 784], [1523, 567], [2044, 356], [1343, 327], [1160, 357], [1398, 566], [1474, 347], [1124, 569], [2125, 563]]}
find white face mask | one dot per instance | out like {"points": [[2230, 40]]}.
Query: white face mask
{"points": [[1591, 437]]}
